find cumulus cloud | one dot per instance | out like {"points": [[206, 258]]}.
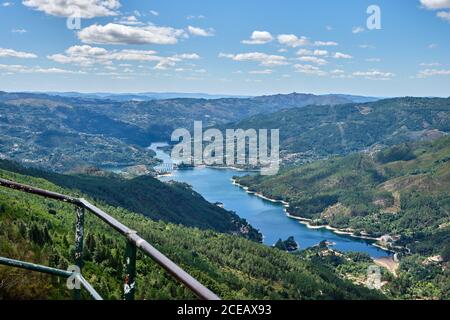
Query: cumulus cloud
{"points": [[318, 53], [131, 21], [20, 31], [259, 37], [374, 75], [435, 4], [86, 55], [309, 69], [80, 8], [315, 60], [263, 58], [326, 43], [16, 68], [445, 15], [266, 71], [340, 55], [438, 5], [291, 40], [10, 53], [433, 72], [199, 32], [113, 33]]}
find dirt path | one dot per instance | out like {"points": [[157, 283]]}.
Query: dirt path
{"points": [[388, 263]]}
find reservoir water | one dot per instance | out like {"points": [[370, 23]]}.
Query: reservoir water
{"points": [[215, 185]]}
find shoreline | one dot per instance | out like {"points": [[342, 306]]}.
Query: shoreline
{"points": [[307, 222]]}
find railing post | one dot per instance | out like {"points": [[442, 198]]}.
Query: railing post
{"points": [[79, 236], [129, 287]]}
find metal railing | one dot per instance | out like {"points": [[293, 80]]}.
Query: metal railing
{"points": [[134, 242]]}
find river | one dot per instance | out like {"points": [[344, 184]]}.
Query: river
{"points": [[215, 185]]}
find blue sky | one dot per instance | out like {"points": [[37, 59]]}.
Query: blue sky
{"points": [[249, 47]]}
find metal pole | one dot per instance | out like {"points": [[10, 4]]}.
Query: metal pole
{"points": [[52, 271], [79, 235], [129, 287]]}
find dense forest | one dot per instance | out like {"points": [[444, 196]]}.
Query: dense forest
{"points": [[175, 202], [61, 133], [401, 192], [41, 231], [316, 132]]}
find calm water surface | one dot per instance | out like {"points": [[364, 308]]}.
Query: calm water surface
{"points": [[215, 186]]}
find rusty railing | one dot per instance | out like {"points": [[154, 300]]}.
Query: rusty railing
{"points": [[134, 242]]}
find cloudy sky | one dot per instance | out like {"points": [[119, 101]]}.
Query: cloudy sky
{"points": [[240, 47]]}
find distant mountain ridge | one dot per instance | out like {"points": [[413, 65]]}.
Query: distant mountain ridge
{"points": [[146, 96], [60, 133], [314, 132]]}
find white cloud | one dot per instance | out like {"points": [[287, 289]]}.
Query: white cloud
{"points": [[435, 4], [86, 55], [154, 13], [325, 44], [357, 30], [80, 8], [7, 4], [438, 5], [266, 71], [192, 17], [291, 40], [329, 28], [305, 52], [20, 31], [340, 55], [366, 46], [374, 75], [309, 69], [113, 33], [259, 37], [10, 53], [200, 32], [445, 15], [262, 58], [15, 68], [315, 60], [433, 72], [130, 20], [433, 46], [373, 60], [430, 64]]}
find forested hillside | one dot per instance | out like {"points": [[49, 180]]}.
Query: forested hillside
{"points": [[316, 132], [402, 191], [175, 202], [61, 133], [41, 231]]}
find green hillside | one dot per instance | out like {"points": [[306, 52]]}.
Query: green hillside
{"points": [[61, 133], [41, 231], [176, 203], [402, 191], [316, 132]]}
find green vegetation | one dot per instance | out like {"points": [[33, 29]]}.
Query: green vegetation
{"points": [[40, 230], [316, 132], [63, 133], [287, 245], [402, 192], [174, 202]]}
